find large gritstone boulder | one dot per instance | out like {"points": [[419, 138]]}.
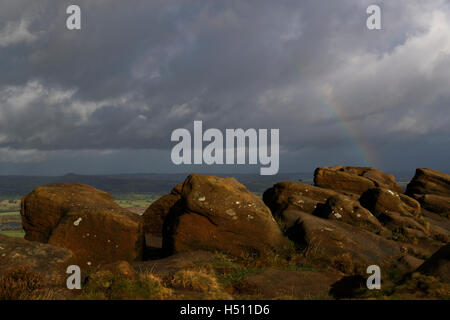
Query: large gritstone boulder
{"points": [[220, 214], [85, 220]]}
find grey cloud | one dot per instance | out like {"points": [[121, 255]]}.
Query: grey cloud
{"points": [[140, 69]]}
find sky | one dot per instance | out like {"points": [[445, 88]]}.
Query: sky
{"points": [[105, 99]]}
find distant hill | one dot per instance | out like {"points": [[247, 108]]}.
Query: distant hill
{"points": [[135, 183]]}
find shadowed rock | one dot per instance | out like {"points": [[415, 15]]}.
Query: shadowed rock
{"points": [[153, 219], [428, 181], [432, 189], [297, 196], [345, 209], [155, 214], [85, 220], [328, 238], [438, 264]]}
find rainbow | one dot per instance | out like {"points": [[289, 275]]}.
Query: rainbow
{"points": [[364, 151]]}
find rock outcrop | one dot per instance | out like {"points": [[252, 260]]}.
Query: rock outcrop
{"points": [[85, 220], [354, 180], [438, 265], [330, 238], [428, 181], [220, 214], [325, 203], [396, 211], [155, 214], [432, 189], [345, 209], [49, 261], [295, 195]]}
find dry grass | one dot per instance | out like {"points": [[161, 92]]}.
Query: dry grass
{"points": [[23, 284], [104, 285], [201, 280]]}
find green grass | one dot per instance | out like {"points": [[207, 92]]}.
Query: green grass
{"points": [[136, 200], [13, 233], [11, 213], [134, 203]]}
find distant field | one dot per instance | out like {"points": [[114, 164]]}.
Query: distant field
{"points": [[12, 213], [135, 200], [13, 234], [9, 205]]}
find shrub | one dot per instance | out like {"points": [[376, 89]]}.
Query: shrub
{"points": [[21, 284]]}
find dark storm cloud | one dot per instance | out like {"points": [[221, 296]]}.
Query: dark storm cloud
{"points": [[140, 69]]}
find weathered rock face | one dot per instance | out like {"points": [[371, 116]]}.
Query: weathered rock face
{"points": [[155, 214], [428, 181], [438, 264], [50, 261], [321, 202], [220, 214], [432, 189], [85, 220], [323, 237], [396, 211], [434, 203], [295, 195], [355, 180], [343, 208]]}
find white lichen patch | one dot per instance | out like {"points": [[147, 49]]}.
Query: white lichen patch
{"points": [[201, 199], [250, 217], [230, 212], [237, 202], [358, 215], [76, 223], [89, 263], [337, 215]]}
